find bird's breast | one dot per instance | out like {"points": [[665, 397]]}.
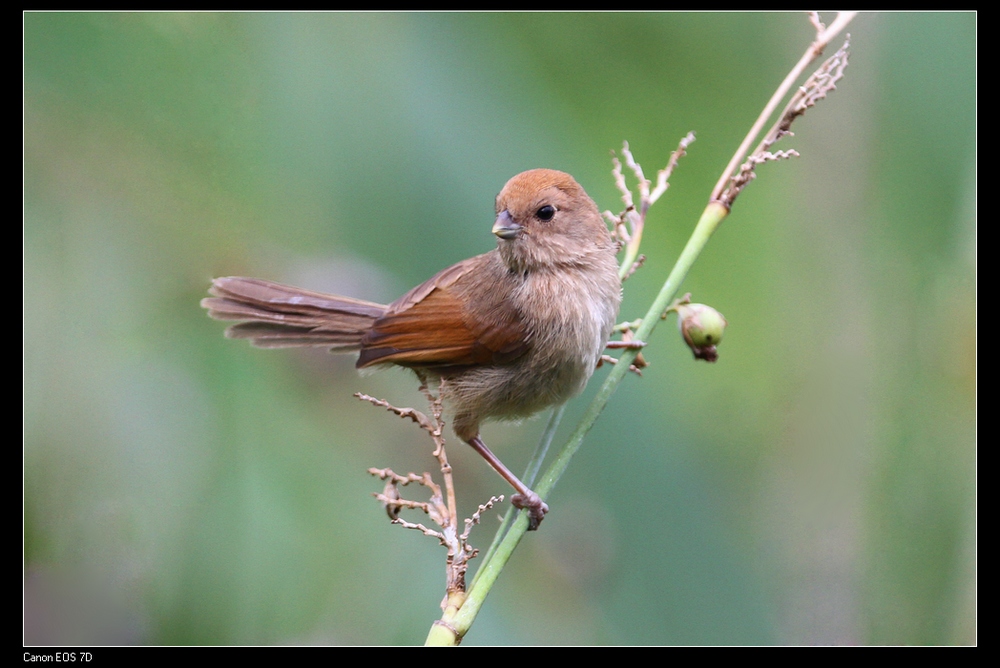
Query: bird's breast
{"points": [[569, 335]]}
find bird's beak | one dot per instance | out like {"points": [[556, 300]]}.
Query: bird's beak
{"points": [[505, 227]]}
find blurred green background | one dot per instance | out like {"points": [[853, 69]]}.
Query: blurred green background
{"points": [[816, 485]]}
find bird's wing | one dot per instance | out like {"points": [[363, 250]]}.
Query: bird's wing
{"points": [[434, 325]]}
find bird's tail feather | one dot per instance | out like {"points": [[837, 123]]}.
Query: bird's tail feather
{"points": [[282, 316]]}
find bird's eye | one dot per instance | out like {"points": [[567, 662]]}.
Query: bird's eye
{"points": [[546, 212]]}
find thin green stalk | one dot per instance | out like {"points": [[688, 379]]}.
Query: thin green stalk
{"points": [[535, 465], [457, 619]]}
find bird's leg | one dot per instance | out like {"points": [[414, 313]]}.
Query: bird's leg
{"points": [[525, 498]]}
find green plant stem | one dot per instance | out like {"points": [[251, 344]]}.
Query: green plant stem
{"points": [[458, 618], [454, 626]]}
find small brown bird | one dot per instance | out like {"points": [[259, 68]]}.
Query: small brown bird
{"points": [[509, 332]]}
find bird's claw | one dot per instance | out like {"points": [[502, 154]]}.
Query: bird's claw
{"points": [[532, 503]]}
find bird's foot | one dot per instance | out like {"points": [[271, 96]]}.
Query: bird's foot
{"points": [[532, 503]]}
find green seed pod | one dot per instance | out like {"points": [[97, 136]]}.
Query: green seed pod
{"points": [[702, 327]]}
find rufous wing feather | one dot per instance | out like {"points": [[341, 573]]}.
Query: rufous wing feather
{"points": [[432, 325]]}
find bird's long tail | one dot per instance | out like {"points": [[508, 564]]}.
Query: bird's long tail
{"points": [[281, 316]]}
